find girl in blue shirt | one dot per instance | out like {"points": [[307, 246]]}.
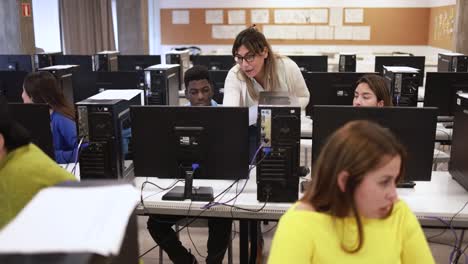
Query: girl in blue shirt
{"points": [[42, 87]]}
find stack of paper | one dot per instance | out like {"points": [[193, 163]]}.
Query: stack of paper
{"points": [[72, 220]]}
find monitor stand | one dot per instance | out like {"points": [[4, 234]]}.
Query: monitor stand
{"points": [[204, 194], [406, 184], [180, 193]]}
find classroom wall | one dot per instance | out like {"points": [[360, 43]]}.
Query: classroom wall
{"points": [[441, 25]]}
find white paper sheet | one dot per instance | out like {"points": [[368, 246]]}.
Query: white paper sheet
{"points": [[318, 15], [305, 32], [214, 16], [260, 16], [289, 32], [124, 94], [344, 33], [226, 31], [59, 67], [336, 16], [72, 220], [236, 17], [354, 15], [323, 32], [180, 17], [301, 16]]}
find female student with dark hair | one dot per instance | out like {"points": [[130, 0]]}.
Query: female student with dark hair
{"points": [[24, 168], [351, 213], [260, 69], [41, 87], [372, 90]]}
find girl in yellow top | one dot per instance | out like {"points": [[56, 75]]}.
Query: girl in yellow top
{"points": [[351, 212]]}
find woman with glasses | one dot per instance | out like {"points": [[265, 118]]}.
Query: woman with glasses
{"points": [[260, 69]]}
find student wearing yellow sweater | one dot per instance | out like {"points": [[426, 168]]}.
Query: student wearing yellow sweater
{"points": [[351, 212], [24, 168]]}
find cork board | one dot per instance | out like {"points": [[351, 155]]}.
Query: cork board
{"points": [[441, 25], [389, 26]]}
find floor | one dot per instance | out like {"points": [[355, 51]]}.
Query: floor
{"points": [[441, 246]]}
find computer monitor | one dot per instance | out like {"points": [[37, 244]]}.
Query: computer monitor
{"points": [[331, 88], [86, 84], [20, 62], [11, 85], [215, 62], [417, 62], [137, 62], [86, 62], [36, 119], [415, 128], [442, 88], [317, 63], [218, 77], [168, 140]]}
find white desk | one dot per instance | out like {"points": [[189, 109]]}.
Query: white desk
{"points": [[441, 197]]}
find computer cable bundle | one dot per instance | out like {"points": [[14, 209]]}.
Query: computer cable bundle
{"points": [[210, 204], [455, 250]]}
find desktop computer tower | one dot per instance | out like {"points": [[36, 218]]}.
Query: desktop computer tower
{"points": [[104, 124], [162, 84], [46, 59], [181, 57], [106, 61], [403, 83], [63, 74], [452, 62], [347, 63], [458, 167], [279, 132]]}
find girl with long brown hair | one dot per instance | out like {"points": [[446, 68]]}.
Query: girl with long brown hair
{"points": [[351, 212], [42, 87]]}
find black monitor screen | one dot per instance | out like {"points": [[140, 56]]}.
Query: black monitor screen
{"points": [[11, 85], [86, 84], [137, 62], [417, 62], [311, 63], [167, 140], [215, 62], [442, 88], [331, 88], [414, 127], [218, 77], [36, 119], [85, 62], [16, 63]]}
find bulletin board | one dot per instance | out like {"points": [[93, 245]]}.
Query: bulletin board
{"points": [[442, 21], [384, 26]]}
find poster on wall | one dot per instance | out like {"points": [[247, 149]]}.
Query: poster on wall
{"points": [[180, 17]]}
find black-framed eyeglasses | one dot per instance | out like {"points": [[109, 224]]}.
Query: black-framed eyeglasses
{"points": [[248, 58]]}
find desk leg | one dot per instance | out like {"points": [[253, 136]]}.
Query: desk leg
{"points": [[244, 241], [459, 246], [253, 241]]}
